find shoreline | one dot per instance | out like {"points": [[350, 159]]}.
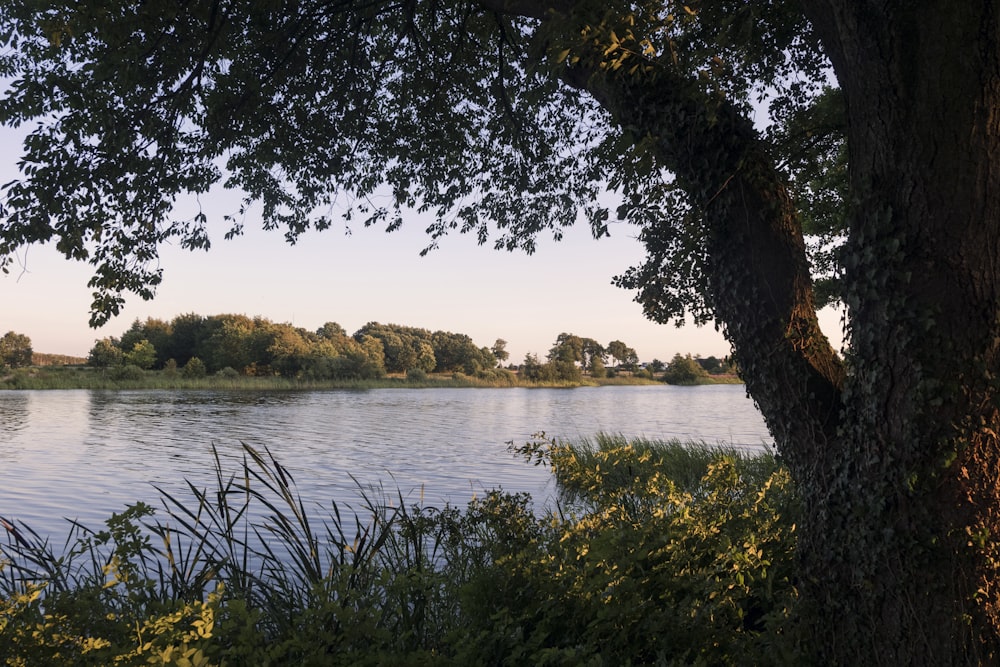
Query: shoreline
{"points": [[54, 378]]}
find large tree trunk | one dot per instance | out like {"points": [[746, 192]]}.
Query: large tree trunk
{"points": [[897, 464], [899, 546]]}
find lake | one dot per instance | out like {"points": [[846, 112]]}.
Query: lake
{"points": [[85, 454]]}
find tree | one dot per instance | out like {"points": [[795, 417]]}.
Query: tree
{"points": [[597, 368], [156, 332], [194, 368], [567, 348], [188, 333], [457, 352], [105, 354], [15, 350], [684, 370], [499, 351], [592, 352], [142, 355], [515, 116], [618, 351], [331, 330]]}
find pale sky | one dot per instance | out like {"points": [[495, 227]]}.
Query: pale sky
{"points": [[366, 276]]}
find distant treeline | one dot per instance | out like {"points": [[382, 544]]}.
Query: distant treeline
{"points": [[232, 345], [198, 344]]}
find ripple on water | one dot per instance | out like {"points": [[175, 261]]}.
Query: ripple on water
{"points": [[85, 454]]}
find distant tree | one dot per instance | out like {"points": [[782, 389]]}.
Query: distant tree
{"points": [[331, 330], [568, 347], [187, 335], [158, 333], [288, 350], [229, 343], [487, 360], [425, 357], [142, 355], [403, 347], [711, 364], [596, 367], [684, 370], [592, 349], [499, 351], [656, 366], [457, 352], [15, 350], [531, 367], [374, 352], [105, 354], [132, 335], [194, 368], [631, 361], [618, 351], [155, 331]]}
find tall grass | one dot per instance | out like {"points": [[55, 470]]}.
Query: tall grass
{"points": [[592, 469], [84, 377], [661, 553]]}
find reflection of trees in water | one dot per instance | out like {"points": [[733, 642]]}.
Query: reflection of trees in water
{"points": [[13, 412], [106, 406]]}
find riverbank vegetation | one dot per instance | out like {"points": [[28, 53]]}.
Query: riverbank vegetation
{"points": [[657, 553], [239, 352]]}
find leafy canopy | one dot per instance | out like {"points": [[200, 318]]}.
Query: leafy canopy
{"points": [[319, 112]]}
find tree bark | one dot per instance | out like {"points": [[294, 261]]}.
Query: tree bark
{"points": [[761, 288], [902, 546]]}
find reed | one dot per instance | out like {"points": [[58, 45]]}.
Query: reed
{"points": [[247, 572], [83, 377]]}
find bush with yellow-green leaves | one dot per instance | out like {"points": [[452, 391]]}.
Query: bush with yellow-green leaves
{"points": [[656, 553]]}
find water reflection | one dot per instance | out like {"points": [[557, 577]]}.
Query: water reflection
{"points": [[13, 411], [86, 454]]}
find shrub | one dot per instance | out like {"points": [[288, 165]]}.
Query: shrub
{"points": [[662, 554], [194, 368], [127, 373], [142, 354], [105, 354], [228, 372], [684, 370], [416, 375]]}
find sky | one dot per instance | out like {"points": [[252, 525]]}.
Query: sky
{"points": [[368, 275]]}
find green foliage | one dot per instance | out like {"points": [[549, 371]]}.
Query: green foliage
{"points": [[103, 601], [416, 375], [662, 554], [105, 354], [674, 555], [597, 368], [194, 368], [478, 127], [499, 350], [127, 373], [624, 356], [15, 350], [684, 370], [402, 347], [142, 354], [568, 347]]}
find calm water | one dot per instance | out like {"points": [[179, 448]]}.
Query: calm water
{"points": [[85, 454]]}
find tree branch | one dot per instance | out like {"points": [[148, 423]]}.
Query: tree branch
{"points": [[761, 289]]}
